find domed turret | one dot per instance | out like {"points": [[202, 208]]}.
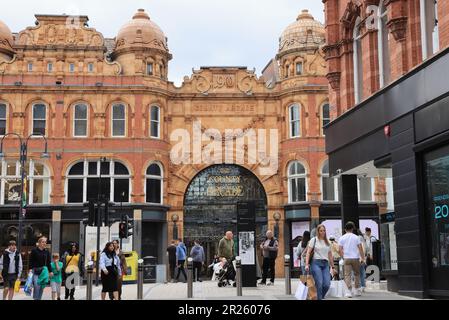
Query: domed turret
{"points": [[143, 43], [6, 41], [305, 36]]}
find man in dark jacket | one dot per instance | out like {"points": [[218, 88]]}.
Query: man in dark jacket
{"points": [[171, 252], [197, 254], [270, 250], [10, 269], [40, 258]]}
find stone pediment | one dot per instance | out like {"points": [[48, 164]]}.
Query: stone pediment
{"points": [[224, 80], [61, 30]]}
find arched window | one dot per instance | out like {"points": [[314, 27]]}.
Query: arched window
{"points": [[36, 186], [39, 118], [84, 183], [297, 182], [3, 118], [286, 71], [295, 121], [383, 37], [329, 185], [154, 180], [365, 187], [298, 68], [80, 120], [358, 65], [118, 120], [149, 68], [325, 116], [155, 122], [429, 28]]}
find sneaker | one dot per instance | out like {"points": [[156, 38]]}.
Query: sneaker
{"points": [[358, 292], [348, 295], [262, 283], [270, 283]]}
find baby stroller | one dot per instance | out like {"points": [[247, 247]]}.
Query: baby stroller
{"points": [[226, 274]]}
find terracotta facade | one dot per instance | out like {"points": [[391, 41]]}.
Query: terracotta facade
{"points": [[61, 62]]}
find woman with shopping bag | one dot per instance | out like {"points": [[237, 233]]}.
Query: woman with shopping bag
{"points": [[319, 261]]}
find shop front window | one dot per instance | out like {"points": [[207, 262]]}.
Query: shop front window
{"points": [[36, 185], [437, 205]]}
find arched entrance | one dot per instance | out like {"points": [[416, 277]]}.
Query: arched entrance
{"points": [[210, 205]]}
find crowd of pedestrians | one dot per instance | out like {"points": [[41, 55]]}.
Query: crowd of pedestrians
{"points": [[321, 257]]}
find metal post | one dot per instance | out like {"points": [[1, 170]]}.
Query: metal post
{"points": [[90, 271], [238, 266], [189, 278], [140, 280], [97, 259], [288, 285], [23, 155]]}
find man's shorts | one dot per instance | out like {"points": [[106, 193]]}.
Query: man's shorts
{"points": [[10, 281]]}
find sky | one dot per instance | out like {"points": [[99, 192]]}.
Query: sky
{"points": [[200, 32]]}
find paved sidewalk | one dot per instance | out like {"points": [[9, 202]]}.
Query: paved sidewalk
{"points": [[209, 290]]}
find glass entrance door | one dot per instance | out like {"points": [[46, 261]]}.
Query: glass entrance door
{"points": [[436, 167]]}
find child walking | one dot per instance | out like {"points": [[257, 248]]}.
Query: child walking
{"points": [[56, 280]]}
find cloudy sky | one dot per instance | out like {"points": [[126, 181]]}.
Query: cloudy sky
{"points": [[200, 32]]}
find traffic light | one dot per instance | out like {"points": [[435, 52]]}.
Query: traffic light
{"points": [[122, 230], [92, 212], [126, 227]]}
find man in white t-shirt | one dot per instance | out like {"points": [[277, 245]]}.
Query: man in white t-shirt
{"points": [[352, 252]]}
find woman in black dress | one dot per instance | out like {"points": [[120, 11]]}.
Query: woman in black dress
{"points": [[110, 271]]}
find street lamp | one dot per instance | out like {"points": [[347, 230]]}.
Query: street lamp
{"points": [[100, 197], [23, 159]]}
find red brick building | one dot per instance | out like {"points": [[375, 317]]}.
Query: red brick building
{"points": [[387, 70], [95, 98]]}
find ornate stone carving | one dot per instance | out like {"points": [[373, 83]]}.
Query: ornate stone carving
{"points": [[245, 85], [334, 79], [18, 114], [202, 84], [398, 27], [352, 11], [56, 31]]}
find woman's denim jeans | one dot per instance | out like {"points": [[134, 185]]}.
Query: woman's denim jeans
{"points": [[37, 289], [321, 275]]}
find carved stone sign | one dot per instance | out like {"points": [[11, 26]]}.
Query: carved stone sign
{"points": [[225, 108]]}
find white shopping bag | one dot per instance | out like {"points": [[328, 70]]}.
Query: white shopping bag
{"points": [[301, 291], [338, 289]]}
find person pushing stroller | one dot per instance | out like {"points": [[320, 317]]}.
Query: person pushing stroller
{"points": [[226, 250]]}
